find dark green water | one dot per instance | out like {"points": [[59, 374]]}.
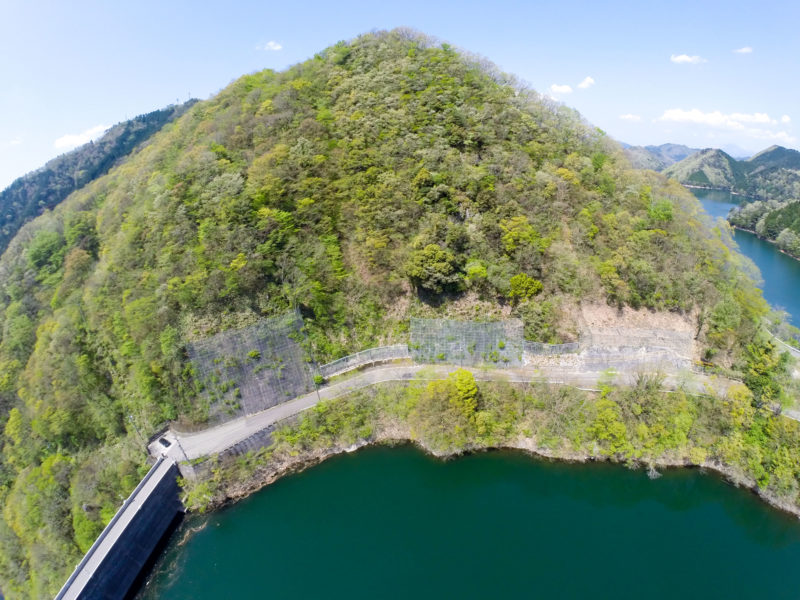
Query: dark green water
{"points": [[780, 273], [394, 523]]}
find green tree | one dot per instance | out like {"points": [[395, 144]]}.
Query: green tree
{"points": [[46, 251], [765, 369], [517, 231], [465, 395], [660, 211], [609, 428], [524, 287], [79, 230], [434, 269]]}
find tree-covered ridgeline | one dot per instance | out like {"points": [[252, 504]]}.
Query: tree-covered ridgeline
{"points": [[386, 177], [43, 189]]}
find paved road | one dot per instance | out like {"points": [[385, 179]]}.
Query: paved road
{"points": [[216, 439]]}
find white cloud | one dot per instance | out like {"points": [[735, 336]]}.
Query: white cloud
{"points": [[742, 123], [630, 117], [716, 118], [560, 89], [774, 136], [270, 46], [71, 140], [786, 119], [586, 83], [744, 50], [762, 118], [682, 59]]}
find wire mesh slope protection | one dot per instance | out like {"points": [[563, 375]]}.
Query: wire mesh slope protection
{"points": [[244, 371], [467, 343]]}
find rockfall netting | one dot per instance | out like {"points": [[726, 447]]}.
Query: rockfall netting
{"points": [[244, 371], [467, 343]]}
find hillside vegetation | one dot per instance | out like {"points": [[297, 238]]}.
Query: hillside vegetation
{"points": [[776, 221], [384, 178], [772, 174], [32, 194]]}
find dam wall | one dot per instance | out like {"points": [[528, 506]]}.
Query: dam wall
{"points": [[115, 563]]}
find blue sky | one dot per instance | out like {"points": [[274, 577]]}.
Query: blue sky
{"points": [[652, 72]]}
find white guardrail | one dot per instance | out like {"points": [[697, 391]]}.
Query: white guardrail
{"points": [[365, 357], [401, 351]]}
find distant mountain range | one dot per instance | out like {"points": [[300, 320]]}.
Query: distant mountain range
{"points": [[773, 173], [657, 158]]}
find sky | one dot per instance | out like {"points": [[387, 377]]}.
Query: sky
{"points": [[700, 73]]}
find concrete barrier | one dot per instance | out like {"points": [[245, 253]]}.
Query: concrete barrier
{"points": [[124, 551]]}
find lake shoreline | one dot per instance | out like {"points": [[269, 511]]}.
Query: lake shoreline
{"points": [[396, 436], [765, 239]]}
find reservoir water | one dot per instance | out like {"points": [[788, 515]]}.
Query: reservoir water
{"points": [[780, 273], [395, 523]]}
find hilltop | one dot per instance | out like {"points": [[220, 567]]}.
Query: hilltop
{"points": [[43, 189], [385, 178]]}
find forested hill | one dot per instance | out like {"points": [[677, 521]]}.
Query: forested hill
{"points": [[44, 188], [774, 157], [772, 174], [711, 168], [384, 178]]}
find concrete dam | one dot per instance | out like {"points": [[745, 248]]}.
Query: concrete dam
{"points": [[114, 564]]}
